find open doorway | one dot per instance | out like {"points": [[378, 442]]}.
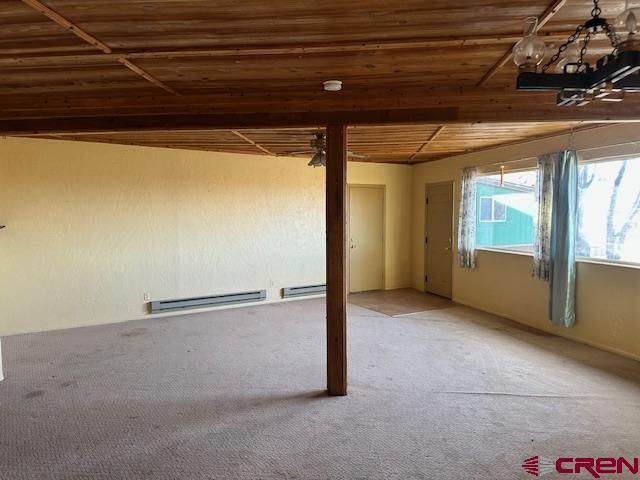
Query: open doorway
{"points": [[438, 256], [366, 237]]}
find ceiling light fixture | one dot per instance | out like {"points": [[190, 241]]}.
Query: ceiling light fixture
{"points": [[576, 81], [332, 85], [319, 144]]}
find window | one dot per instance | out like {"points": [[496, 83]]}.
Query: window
{"points": [[609, 210], [506, 210], [491, 210]]}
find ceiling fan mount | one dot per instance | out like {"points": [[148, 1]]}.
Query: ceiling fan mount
{"points": [[318, 147]]}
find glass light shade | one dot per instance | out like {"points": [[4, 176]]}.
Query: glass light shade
{"points": [[529, 52], [319, 159], [627, 26], [570, 57], [318, 143]]}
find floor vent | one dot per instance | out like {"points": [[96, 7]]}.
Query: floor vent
{"points": [[204, 302], [302, 291]]}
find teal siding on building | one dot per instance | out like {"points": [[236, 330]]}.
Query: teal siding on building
{"points": [[517, 229]]}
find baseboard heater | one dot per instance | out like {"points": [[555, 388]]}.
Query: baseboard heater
{"points": [[302, 291], [210, 301]]}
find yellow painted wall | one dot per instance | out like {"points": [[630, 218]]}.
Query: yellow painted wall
{"points": [[608, 297], [397, 180], [92, 227]]}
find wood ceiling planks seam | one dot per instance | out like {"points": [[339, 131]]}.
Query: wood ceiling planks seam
{"points": [[543, 19], [431, 139], [91, 40]]}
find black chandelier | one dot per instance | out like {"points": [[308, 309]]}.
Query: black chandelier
{"points": [[575, 80]]}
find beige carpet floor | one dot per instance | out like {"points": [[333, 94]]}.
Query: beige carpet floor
{"points": [[238, 394]]}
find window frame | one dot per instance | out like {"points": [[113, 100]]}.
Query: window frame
{"points": [[506, 249], [493, 211], [579, 259], [605, 261]]}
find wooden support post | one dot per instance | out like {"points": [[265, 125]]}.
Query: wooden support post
{"points": [[336, 260]]}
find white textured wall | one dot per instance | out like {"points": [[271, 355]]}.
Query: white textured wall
{"points": [[92, 227], [607, 296]]}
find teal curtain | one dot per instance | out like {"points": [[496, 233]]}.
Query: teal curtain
{"points": [[562, 281], [555, 243]]}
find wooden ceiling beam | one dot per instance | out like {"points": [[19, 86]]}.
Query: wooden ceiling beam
{"points": [[158, 123], [507, 104], [542, 20], [492, 105], [314, 99], [90, 39], [433, 136], [248, 140], [194, 122]]}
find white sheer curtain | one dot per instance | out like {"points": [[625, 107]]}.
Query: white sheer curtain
{"points": [[544, 198], [467, 219]]}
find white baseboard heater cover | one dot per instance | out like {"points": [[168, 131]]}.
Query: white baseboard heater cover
{"points": [[302, 291], [210, 301]]}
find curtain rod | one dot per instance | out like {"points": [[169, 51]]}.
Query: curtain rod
{"points": [[524, 159], [609, 146]]}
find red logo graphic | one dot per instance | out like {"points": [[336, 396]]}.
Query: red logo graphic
{"points": [[596, 467], [537, 466]]}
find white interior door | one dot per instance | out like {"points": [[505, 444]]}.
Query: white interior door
{"points": [[366, 238], [438, 238]]}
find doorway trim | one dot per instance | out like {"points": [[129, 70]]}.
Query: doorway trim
{"points": [[453, 229], [384, 229]]}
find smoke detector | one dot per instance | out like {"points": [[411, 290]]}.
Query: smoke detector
{"points": [[333, 85]]}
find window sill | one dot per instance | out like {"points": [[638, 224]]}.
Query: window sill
{"points": [[608, 263], [504, 250]]}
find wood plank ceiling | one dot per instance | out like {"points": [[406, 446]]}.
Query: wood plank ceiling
{"points": [[62, 61], [367, 143]]}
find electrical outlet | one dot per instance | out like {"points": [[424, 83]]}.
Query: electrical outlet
{"points": [[147, 296], [271, 283]]}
